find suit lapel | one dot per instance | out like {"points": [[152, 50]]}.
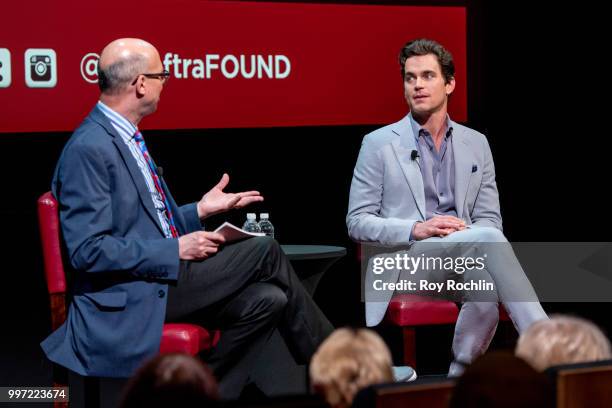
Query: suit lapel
{"points": [[463, 168], [403, 148], [132, 166]]}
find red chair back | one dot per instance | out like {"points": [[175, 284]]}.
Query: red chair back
{"points": [[48, 221]]}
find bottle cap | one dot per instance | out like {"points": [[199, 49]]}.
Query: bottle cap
{"points": [[251, 216], [264, 216]]}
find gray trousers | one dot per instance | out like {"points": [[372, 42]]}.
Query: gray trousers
{"points": [[479, 313]]}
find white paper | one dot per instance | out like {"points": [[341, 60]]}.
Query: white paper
{"points": [[232, 233]]}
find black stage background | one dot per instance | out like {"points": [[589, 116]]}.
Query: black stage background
{"points": [[537, 78]]}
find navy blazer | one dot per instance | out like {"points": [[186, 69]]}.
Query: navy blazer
{"points": [[121, 258]]}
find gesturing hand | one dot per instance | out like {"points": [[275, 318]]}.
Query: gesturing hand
{"points": [[216, 201]]}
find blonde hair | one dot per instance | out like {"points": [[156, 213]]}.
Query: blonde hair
{"points": [[347, 361], [562, 340]]}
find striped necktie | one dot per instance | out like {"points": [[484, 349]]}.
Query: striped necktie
{"points": [[153, 170]]}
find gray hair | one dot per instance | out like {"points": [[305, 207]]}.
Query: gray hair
{"points": [[114, 77]]}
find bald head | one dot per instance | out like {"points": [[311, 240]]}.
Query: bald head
{"points": [[122, 61]]}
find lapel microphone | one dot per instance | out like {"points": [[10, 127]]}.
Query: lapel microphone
{"points": [[160, 171], [414, 154]]}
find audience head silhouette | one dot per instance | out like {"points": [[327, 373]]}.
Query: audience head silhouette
{"points": [[172, 380], [347, 361], [562, 340]]}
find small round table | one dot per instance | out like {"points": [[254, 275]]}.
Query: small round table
{"points": [[303, 252], [310, 262]]}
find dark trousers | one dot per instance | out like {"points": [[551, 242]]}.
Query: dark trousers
{"points": [[247, 290]]}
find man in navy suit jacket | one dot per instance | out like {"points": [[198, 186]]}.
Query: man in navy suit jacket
{"points": [[140, 259]]}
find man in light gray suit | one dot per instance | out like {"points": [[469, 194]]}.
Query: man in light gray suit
{"points": [[428, 182]]}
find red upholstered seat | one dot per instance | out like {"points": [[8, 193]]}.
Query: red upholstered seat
{"points": [[414, 310], [409, 311], [186, 338], [503, 315]]}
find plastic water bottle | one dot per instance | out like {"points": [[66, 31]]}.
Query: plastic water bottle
{"points": [[265, 225], [251, 223]]}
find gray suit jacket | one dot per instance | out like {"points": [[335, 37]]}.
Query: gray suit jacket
{"points": [[387, 194]]}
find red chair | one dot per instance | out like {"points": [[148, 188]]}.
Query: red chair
{"points": [[411, 311], [176, 337]]}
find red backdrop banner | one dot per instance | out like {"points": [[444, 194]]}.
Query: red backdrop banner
{"points": [[232, 64]]}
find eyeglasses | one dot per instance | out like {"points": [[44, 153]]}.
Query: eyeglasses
{"points": [[162, 76]]}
